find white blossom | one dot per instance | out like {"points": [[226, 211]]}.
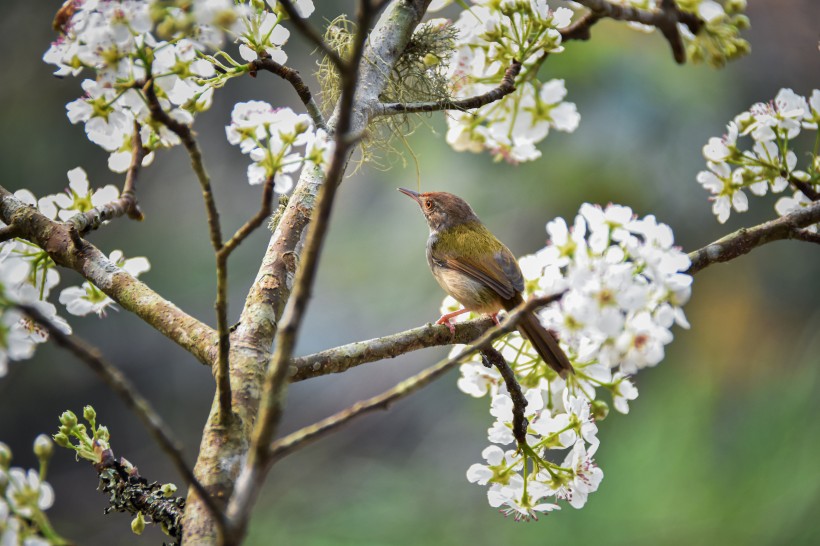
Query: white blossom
{"points": [[26, 493]]}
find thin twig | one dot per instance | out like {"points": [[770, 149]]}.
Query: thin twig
{"points": [[665, 19], [806, 188], [187, 137], [223, 380], [222, 255], [123, 388], [580, 29], [744, 240], [806, 235], [311, 34], [126, 204], [506, 87], [250, 226], [299, 85], [309, 434], [490, 356], [9, 232]]}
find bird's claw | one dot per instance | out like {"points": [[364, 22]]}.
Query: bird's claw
{"points": [[445, 320]]}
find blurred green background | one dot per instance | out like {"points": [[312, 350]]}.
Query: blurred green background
{"points": [[720, 448]]}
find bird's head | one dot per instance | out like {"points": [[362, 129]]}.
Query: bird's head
{"points": [[442, 210]]}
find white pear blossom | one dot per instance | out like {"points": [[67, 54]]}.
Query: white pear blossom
{"points": [[269, 136], [770, 164], [263, 35], [523, 503], [624, 285], [490, 37], [26, 493], [78, 197]]}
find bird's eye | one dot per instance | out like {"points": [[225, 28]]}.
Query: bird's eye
{"points": [[428, 204]]}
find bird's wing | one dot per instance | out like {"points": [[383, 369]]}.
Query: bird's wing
{"points": [[509, 265], [502, 273]]}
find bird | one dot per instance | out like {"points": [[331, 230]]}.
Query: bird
{"points": [[475, 268]]}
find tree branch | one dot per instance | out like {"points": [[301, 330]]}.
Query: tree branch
{"points": [[744, 240], [296, 440], [81, 256], [257, 465], [807, 189], [340, 359], [9, 232], [311, 34], [492, 357], [123, 388], [506, 87], [223, 380], [127, 202], [129, 492], [665, 19], [299, 85]]}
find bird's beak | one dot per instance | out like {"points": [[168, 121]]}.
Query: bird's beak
{"points": [[412, 194]]}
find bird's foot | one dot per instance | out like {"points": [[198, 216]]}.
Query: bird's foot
{"points": [[445, 319]]}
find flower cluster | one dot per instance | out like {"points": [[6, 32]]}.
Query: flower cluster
{"points": [[624, 286], [491, 36], [119, 42], [771, 164], [718, 39], [24, 498], [269, 136], [28, 275]]}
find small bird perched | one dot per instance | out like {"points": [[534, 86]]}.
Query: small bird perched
{"points": [[477, 269]]}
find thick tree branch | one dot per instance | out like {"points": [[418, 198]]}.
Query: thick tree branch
{"points": [[340, 359], [744, 240], [123, 388], [665, 19], [506, 87], [127, 202], [299, 85], [80, 255], [270, 411], [299, 439]]}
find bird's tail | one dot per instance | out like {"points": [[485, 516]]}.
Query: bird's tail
{"points": [[544, 344]]}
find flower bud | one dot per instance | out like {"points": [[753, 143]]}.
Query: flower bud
{"points": [[102, 434], [168, 490], [301, 127], [61, 440], [89, 414], [43, 447], [138, 524], [599, 409], [5, 455], [431, 60], [68, 419], [735, 6]]}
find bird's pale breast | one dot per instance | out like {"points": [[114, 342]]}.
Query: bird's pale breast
{"points": [[470, 293]]}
